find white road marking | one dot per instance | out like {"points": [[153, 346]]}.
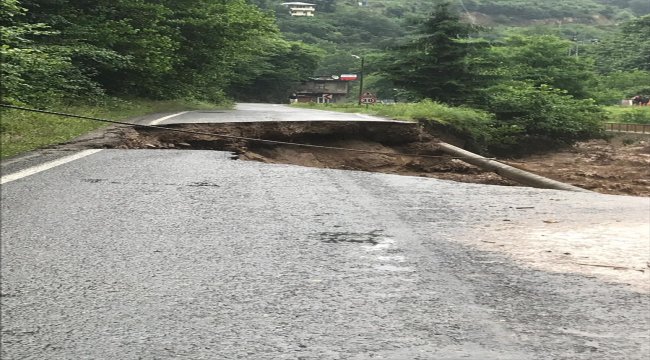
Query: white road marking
{"points": [[158, 121], [46, 166]]}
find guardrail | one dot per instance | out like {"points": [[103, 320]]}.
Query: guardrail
{"points": [[631, 128]]}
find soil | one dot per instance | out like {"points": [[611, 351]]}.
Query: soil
{"points": [[618, 166]]}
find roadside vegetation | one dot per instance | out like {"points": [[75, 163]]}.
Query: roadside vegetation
{"points": [[630, 115], [515, 76], [541, 122], [539, 86], [119, 58], [23, 131]]}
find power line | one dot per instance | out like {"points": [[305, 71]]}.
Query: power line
{"points": [[275, 142]]}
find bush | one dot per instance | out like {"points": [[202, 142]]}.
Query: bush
{"points": [[630, 115], [516, 119], [22, 131], [636, 116], [473, 125], [531, 119]]}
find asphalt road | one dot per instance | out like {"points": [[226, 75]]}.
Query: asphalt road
{"points": [[152, 254], [266, 112]]}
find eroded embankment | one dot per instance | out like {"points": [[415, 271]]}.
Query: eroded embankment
{"points": [[387, 147], [612, 167]]}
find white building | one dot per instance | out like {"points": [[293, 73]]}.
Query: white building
{"points": [[300, 8]]}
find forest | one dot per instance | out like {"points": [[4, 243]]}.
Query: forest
{"points": [[525, 66]]}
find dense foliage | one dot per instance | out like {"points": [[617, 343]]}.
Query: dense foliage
{"points": [[540, 69], [433, 64], [55, 50], [532, 118]]}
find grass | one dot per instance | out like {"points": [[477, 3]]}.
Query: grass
{"points": [[472, 122], [22, 131], [424, 110], [628, 114]]}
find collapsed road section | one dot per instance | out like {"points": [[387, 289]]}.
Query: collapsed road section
{"points": [[617, 166], [379, 146], [382, 146]]}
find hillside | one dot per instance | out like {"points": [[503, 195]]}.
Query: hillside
{"points": [[518, 10], [372, 27], [342, 21], [537, 72], [355, 24]]}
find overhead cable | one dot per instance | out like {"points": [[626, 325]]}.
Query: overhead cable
{"points": [[234, 137]]}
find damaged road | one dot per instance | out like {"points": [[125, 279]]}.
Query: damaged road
{"points": [[618, 166], [154, 249], [376, 146]]}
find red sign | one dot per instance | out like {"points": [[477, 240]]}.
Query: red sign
{"points": [[348, 77]]}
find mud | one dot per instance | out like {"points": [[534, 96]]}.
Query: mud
{"points": [[366, 146], [620, 165]]}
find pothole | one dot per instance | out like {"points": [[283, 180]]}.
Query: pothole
{"points": [[386, 147]]}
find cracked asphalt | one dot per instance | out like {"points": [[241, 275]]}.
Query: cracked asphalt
{"points": [[152, 254]]}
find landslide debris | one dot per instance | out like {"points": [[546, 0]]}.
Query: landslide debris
{"points": [[618, 166], [374, 146]]}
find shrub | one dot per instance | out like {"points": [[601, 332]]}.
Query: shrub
{"points": [[531, 119], [636, 116], [473, 125]]}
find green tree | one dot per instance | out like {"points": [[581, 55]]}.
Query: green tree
{"points": [[311, 30], [152, 49], [359, 26], [325, 5], [284, 65], [213, 37], [640, 7], [123, 45], [434, 63], [33, 72], [533, 118], [542, 60], [626, 50], [611, 88]]}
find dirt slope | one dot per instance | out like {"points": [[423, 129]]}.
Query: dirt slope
{"points": [[619, 166]]}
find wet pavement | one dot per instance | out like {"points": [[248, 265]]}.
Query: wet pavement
{"points": [[245, 112], [188, 254]]}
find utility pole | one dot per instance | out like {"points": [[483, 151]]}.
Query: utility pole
{"points": [[360, 77], [577, 44], [361, 81]]}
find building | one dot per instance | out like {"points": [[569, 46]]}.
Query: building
{"points": [[300, 8], [322, 89]]}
